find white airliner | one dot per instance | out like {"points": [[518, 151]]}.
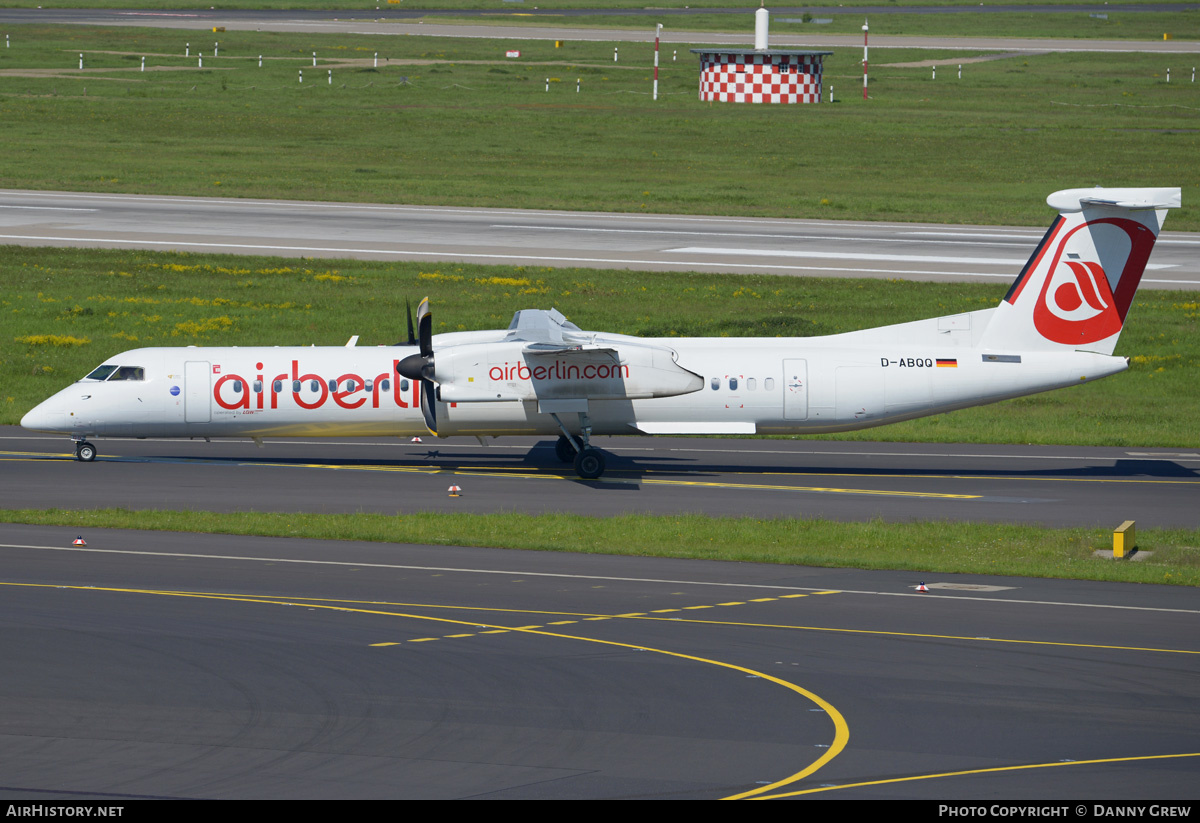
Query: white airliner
{"points": [[1056, 327]]}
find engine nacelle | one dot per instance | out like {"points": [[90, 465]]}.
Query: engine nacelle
{"points": [[516, 371]]}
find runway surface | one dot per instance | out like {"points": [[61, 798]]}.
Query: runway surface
{"points": [[196, 666], [1054, 486], [193, 666], [548, 238], [380, 22]]}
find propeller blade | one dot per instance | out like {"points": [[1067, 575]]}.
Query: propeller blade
{"points": [[412, 337], [425, 328], [429, 405]]}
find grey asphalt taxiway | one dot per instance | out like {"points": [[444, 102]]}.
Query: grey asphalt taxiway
{"points": [[849, 481], [821, 248], [154, 665]]}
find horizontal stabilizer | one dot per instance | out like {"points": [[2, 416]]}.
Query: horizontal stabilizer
{"points": [[1072, 200]]}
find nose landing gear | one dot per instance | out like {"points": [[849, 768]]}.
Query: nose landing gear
{"points": [[85, 452]]}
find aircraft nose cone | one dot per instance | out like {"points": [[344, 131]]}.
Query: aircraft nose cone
{"points": [[40, 418]]}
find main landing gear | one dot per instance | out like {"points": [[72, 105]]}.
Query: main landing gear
{"points": [[85, 452], [588, 461]]}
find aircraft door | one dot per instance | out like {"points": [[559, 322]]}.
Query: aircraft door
{"points": [[795, 389], [197, 395]]}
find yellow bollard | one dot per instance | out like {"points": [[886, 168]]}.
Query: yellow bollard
{"points": [[1124, 539]]}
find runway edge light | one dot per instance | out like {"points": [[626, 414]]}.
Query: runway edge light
{"points": [[79, 541], [922, 587], [455, 491]]}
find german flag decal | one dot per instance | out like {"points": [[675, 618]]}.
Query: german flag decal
{"points": [[944, 363]]}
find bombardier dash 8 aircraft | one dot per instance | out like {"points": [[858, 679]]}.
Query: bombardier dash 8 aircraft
{"points": [[1057, 326]]}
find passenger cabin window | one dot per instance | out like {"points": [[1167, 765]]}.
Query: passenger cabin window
{"points": [[733, 384], [751, 383], [101, 373], [370, 385], [315, 385], [258, 387], [333, 385], [386, 385], [403, 385], [237, 386], [769, 383], [296, 386], [716, 383]]}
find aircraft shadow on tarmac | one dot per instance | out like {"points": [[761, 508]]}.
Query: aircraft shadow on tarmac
{"points": [[628, 471]]}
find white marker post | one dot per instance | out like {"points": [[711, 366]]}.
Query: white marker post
{"points": [[674, 52], [314, 59], [547, 84], [216, 48], [577, 85], [831, 92], [143, 63], [187, 50], [81, 62], [614, 54], [6, 41], [1168, 75], [200, 61], [376, 61], [864, 58], [935, 72], [301, 75], [260, 61], [331, 77], [657, 33]]}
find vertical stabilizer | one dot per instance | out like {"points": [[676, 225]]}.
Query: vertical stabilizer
{"points": [[1076, 289]]}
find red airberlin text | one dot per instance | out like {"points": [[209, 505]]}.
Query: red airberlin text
{"points": [[311, 390], [558, 371]]}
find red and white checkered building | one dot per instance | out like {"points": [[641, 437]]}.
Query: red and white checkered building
{"points": [[760, 76]]}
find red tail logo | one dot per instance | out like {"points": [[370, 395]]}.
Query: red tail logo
{"points": [[1077, 304]]}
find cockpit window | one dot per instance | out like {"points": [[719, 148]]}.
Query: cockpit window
{"points": [[101, 373], [128, 373]]}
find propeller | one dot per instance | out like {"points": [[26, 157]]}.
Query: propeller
{"points": [[420, 366]]}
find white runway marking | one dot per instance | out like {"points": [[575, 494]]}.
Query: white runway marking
{"points": [[515, 573], [854, 255], [793, 237], [46, 208]]}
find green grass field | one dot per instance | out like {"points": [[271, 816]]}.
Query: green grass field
{"points": [[952, 548], [514, 10], [66, 310], [451, 121]]}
